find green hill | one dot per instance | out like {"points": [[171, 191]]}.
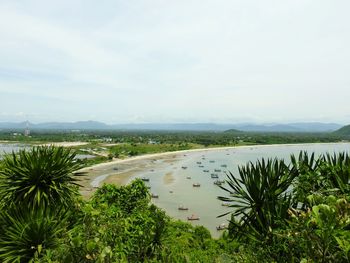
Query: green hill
{"points": [[343, 131], [232, 131]]}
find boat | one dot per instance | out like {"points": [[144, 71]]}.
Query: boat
{"points": [[218, 182], [221, 227], [214, 176], [206, 171], [217, 170], [199, 162], [182, 208], [212, 161], [184, 167], [196, 185], [201, 166], [115, 168], [225, 204], [154, 196], [145, 179], [188, 177], [224, 165], [193, 217]]}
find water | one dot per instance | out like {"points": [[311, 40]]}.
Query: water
{"points": [[6, 148], [202, 201]]}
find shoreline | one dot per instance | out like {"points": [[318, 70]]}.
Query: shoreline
{"points": [[95, 180], [164, 154]]}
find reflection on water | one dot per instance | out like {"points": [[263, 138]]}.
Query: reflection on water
{"points": [[202, 201]]}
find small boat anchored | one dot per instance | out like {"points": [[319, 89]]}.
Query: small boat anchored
{"points": [[193, 217], [214, 176], [154, 196], [145, 179], [196, 185], [184, 167], [218, 182], [221, 227], [182, 208]]}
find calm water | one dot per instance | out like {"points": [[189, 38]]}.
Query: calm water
{"points": [[6, 148], [202, 201]]}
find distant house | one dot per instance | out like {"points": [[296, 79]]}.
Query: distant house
{"points": [[107, 139]]}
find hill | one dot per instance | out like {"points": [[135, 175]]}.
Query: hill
{"points": [[343, 131]]}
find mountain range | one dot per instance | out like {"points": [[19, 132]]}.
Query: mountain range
{"points": [[250, 127]]}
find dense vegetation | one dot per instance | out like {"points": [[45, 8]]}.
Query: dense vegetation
{"points": [[294, 211], [108, 144], [344, 131]]}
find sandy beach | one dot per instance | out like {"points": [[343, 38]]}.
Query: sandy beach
{"points": [[119, 171], [65, 144]]}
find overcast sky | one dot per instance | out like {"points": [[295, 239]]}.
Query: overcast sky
{"points": [[175, 61]]}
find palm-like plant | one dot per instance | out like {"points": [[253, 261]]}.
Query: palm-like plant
{"points": [[260, 195], [336, 169], [40, 176], [26, 234]]}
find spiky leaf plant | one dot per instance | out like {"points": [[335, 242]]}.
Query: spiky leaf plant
{"points": [[260, 196], [44, 175], [25, 234]]}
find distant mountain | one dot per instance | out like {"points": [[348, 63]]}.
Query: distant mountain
{"points": [[80, 125], [290, 127], [249, 127], [343, 131], [175, 126]]}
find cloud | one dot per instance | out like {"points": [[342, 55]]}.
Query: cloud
{"points": [[162, 60]]}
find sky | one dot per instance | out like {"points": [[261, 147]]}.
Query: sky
{"points": [[142, 61]]}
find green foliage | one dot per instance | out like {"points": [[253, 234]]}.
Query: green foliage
{"points": [[40, 176], [27, 234], [318, 232], [260, 196]]}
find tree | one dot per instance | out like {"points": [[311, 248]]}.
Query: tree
{"points": [[40, 176]]}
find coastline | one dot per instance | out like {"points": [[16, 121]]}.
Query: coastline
{"points": [[164, 154], [134, 164]]}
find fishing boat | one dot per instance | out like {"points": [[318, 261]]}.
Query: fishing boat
{"points": [[188, 177], [145, 179], [217, 170], [224, 165], [206, 171], [154, 196], [201, 166], [184, 167], [199, 162], [221, 227], [196, 185], [182, 208], [218, 182], [192, 217], [212, 161], [214, 176]]}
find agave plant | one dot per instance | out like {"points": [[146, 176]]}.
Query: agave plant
{"points": [[40, 176], [260, 195], [25, 234], [336, 168]]}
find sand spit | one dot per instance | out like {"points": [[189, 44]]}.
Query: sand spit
{"points": [[64, 144], [119, 171]]}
